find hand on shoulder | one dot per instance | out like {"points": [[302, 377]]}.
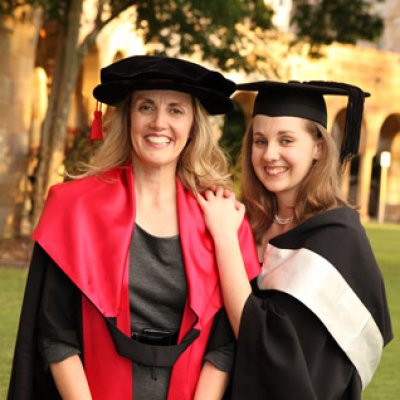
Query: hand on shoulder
{"points": [[223, 214]]}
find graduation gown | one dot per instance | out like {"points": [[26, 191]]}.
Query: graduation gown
{"points": [[315, 326], [86, 228]]}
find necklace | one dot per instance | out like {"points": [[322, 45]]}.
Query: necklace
{"points": [[282, 221]]}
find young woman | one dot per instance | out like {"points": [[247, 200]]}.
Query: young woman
{"points": [[123, 298], [315, 326]]}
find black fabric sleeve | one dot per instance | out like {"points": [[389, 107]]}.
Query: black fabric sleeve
{"points": [[221, 345], [59, 316], [222, 357], [285, 353], [51, 308]]}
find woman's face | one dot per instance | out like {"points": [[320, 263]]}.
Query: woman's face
{"points": [[161, 121], [282, 154]]}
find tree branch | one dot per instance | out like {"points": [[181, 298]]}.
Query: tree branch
{"points": [[90, 38]]}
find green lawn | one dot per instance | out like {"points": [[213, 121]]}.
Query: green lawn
{"points": [[385, 385], [12, 283], [385, 241]]}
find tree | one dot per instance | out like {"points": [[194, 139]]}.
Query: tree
{"points": [[324, 21], [208, 27]]}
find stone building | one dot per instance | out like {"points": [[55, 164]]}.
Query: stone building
{"points": [[25, 73]]}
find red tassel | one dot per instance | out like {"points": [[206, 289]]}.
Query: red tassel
{"points": [[97, 125]]}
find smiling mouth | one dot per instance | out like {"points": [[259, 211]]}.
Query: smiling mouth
{"points": [[158, 139], [273, 171]]}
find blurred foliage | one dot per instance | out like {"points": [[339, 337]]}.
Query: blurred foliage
{"points": [[215, 28], [345, 21], [206, 27], [233, 133], [231, 141]]}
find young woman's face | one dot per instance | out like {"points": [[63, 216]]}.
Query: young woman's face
{"points": [[161, 121], [282, 154]]}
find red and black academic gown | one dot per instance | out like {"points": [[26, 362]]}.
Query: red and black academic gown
{"points": [[316, 325], [86, 228]]}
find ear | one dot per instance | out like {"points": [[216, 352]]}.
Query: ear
{"points": [[318, 149]]}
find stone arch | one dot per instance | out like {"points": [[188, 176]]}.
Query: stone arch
{"points": [[393, 198], [390, 128], [389, 140]]}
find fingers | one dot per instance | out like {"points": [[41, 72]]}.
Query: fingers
{"points": [[228, 193], [219, 192], [200, 199], [209, 194], [216, 192], [239, 205], [241, 208]]}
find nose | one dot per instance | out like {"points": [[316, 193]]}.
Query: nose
{"points": [[271, 152], [158, 121]]}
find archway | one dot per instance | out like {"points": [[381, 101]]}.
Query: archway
{"points": [[393, 196], [389, 140]]}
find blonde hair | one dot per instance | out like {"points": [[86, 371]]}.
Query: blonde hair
{"points": [[319, 191], [201, 164]]}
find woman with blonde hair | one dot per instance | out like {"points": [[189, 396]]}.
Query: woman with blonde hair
{"points": [[316, 322], [123, 297]]}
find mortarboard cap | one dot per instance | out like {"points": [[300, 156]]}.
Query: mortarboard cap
{"points": [[211, 88], [306, 100]]}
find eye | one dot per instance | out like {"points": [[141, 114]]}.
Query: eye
{"points": [[176, 110], [260, 142], [286, 141], [146, 107]]}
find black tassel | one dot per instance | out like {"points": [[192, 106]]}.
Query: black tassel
{"points": [[354, 113]]}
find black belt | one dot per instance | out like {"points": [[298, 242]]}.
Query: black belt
{"points": [[156, 337], [149, 354]]}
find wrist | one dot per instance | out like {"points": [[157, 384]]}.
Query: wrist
{"points": [[225, 238]]}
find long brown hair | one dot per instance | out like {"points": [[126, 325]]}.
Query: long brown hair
{"points": [[319, 191]]}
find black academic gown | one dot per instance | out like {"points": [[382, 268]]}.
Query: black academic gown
{"points": [[285, 350], [55, 312]]}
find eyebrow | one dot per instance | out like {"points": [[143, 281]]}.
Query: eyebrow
{"points": [[171, 103], [280, 133]]}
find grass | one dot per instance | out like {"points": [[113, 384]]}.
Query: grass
{"points": [[12, 283], [385, 240]]}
